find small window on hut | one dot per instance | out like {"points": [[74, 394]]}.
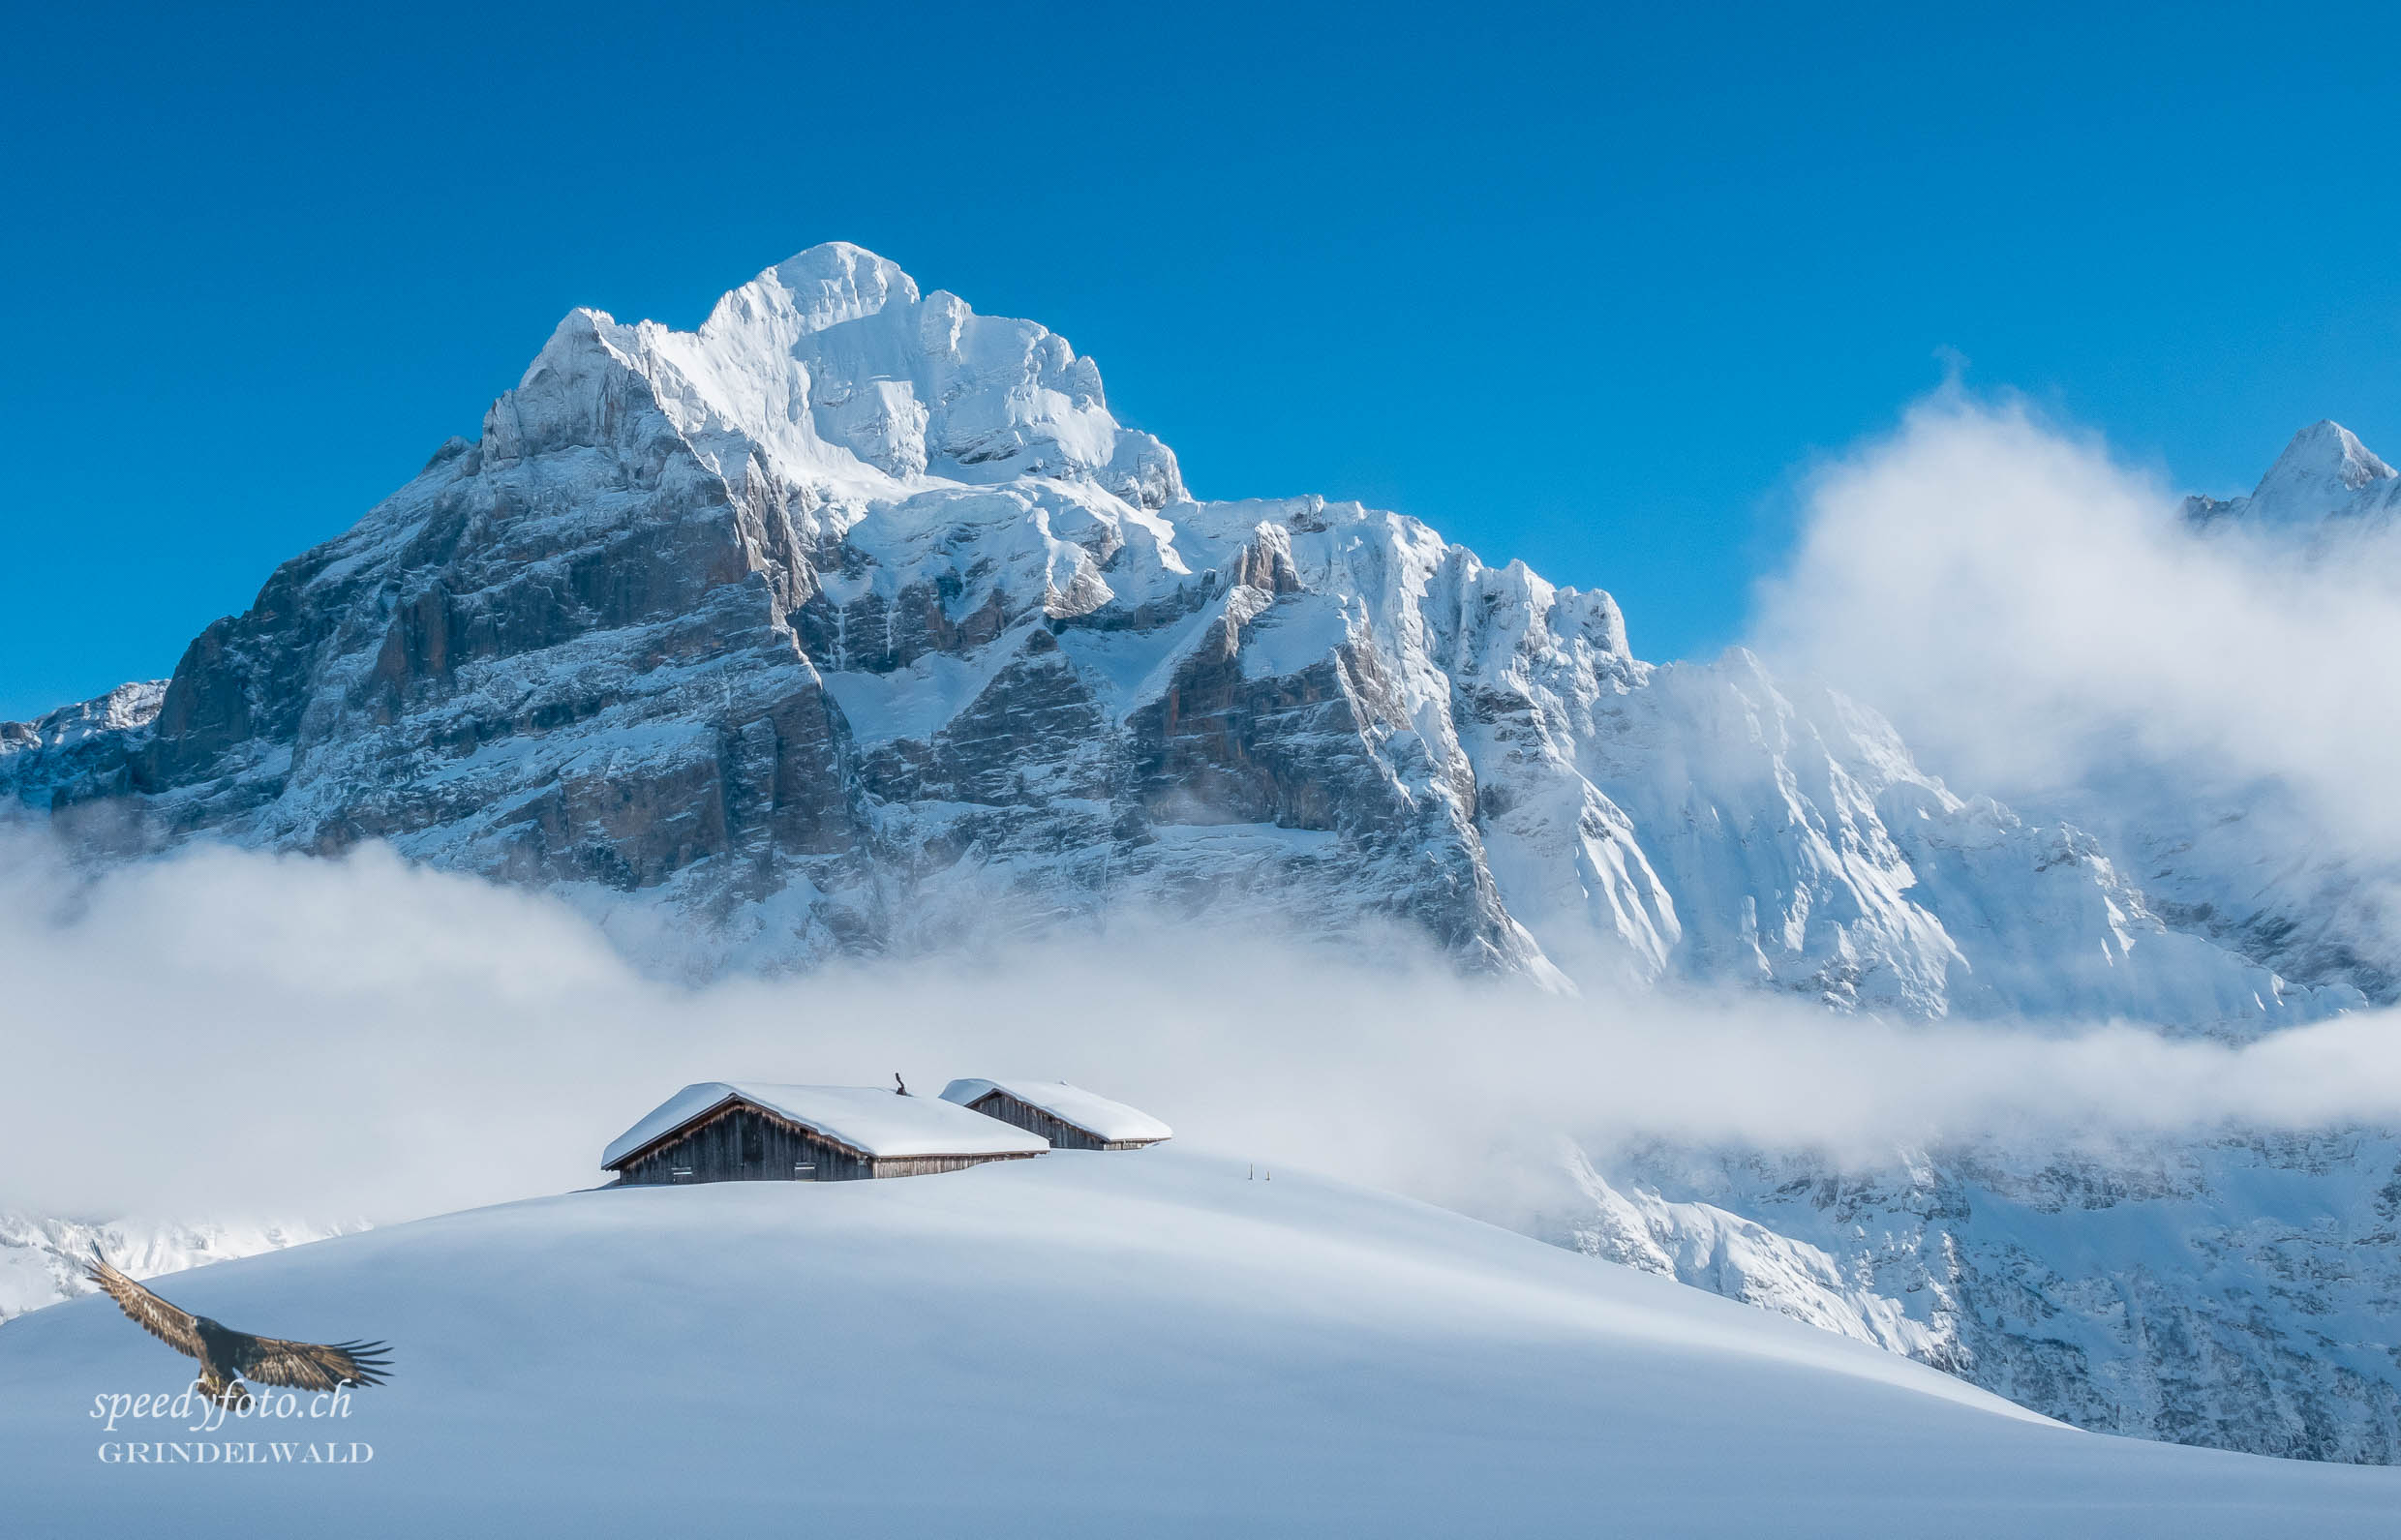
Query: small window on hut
{"points": [[680, 1170]]}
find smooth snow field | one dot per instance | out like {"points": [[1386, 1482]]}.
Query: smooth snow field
{"points": [[1130, 1343]]}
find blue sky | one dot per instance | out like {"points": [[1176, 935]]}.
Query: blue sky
{"points": [[1587, 286]]}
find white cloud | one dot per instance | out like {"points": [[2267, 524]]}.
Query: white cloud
{"points": [[230, 1032], [2035, 617]]}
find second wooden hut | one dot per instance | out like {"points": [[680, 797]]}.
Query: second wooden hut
{"points": [[1069, 1116]]}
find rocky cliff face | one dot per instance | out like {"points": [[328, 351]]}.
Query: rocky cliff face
{"points": [[855, 618], [2236, 1292], [855, 623]]}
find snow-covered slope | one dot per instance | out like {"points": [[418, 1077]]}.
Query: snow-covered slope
{"points": [[1081, 1344]]}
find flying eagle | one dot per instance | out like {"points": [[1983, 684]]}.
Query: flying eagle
{"points": [[227, 1356]]}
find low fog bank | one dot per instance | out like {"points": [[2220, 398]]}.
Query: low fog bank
{"points": [[228, 1034]]}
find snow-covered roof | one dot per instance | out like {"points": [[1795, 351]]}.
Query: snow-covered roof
{"points": [[1096, 1115], [867, 1118]]}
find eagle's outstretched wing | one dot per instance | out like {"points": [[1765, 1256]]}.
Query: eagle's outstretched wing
{"points": [[310, 1366], [178, 1328]]}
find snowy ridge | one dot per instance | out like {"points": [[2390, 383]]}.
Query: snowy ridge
{"points": [[2324, 473], [42, 1260], [993, 1342]]}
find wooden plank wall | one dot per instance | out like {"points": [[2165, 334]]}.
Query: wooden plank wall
{"points": [[741, 1144], [1034, 1120]]}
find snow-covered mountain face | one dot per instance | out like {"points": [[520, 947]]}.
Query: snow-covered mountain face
{"points": [[2246, 865], [855, 623], [2235, 1292], [42, 1260], [855, 618], [2324, 482]]}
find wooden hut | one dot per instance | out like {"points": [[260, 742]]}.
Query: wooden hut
{"points": [[1070, 1117], [722, 1130]]}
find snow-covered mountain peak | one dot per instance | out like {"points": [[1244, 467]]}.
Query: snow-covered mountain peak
{"points": [[819, 288], [126, 708], [2326, 471], [843, 381], [2322, 468]]}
